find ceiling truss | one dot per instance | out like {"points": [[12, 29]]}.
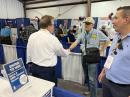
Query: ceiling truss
{"points": [[29, 2]]}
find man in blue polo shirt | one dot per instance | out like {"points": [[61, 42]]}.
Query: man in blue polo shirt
{"points": [[90, 38], [115, 75]]}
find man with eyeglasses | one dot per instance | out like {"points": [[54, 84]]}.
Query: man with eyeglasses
{"points": [[115, 75], [43, 49], [90, 38]]}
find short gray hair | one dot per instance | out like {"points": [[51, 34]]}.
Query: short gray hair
{"points": [[45, 21], [125, 9]]}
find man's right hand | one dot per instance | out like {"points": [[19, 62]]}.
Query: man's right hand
{"points": [[101, 75]]}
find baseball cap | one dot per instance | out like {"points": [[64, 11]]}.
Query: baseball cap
{"points": [[89, 20]]}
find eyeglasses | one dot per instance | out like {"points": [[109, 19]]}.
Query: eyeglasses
{"points": [[120, 46]]}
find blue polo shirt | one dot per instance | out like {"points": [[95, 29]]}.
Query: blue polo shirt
{"points": [[94, 37], [120, 68]]}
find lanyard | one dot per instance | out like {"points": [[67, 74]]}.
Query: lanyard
{"points": [[117, 45], [87, 38], [114, 52]]}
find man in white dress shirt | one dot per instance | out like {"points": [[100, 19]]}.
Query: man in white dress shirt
{"points": [[43, 49]]}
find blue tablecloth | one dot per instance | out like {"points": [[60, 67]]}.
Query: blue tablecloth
{"points": [[59, 92]]}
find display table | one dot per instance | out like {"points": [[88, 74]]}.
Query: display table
{"points": [[35, 88]]}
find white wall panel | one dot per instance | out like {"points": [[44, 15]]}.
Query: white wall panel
{"points": [[73, 12], [3, 9], [67, 12], [100, 9], [11, 9], [103, 9], [54, 3]]}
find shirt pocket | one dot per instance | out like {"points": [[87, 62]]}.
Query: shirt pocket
{"points": [[94, 42]]}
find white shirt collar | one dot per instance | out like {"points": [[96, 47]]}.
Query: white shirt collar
{"points": [[45, 30]]}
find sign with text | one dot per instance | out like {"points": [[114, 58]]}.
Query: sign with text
{"points": [[16, 74], [48, 94]]}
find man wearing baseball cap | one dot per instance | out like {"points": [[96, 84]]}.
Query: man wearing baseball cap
{"points": [[89, 20], [90, 37]]}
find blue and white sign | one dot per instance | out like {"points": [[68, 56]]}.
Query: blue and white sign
{"points": [[16, 74], [48, 94]]}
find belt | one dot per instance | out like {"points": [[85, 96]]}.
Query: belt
{"points": [[121, 85], [35, 65]]}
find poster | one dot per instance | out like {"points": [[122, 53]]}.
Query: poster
{"points": [[16, 74]]}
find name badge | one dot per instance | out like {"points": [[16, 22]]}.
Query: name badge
{"points": [[94, 36], [108, 62]]}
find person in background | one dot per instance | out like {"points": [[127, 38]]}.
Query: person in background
{"points": [[5, 35], [70, 37], [109, 28], [115, 76], [60, 33], [37, 20], [43, 49], [110, 32], [103, 29], [93, 37], [74, 29], [21, 30], [27, 31]]}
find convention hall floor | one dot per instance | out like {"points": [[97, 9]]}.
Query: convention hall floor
{"points": [[75, 87]]}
